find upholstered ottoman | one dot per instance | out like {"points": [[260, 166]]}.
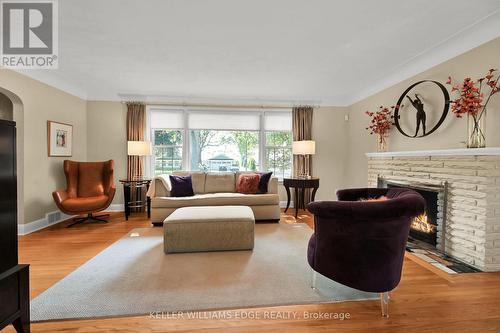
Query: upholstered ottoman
{"points": [[209, 228]]}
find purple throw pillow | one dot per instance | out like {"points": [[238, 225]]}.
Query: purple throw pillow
{"points": [[264, 181], [182, 186]]}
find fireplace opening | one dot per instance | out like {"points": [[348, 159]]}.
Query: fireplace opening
{"points": [[429, 226], [425, 226]]}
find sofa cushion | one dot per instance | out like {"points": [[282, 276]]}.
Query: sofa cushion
{"points": [[182, 186], [216, 199], [219, 182], [210, 214], [197, 178], [248, 183]]}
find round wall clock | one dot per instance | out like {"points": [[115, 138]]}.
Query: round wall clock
{"points": [[418, 111]]}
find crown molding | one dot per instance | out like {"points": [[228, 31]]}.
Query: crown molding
{"points": [[52, 78], [470, 37]]}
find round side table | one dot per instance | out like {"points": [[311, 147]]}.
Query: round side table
{"points": [[138, 183], [300, 184]]}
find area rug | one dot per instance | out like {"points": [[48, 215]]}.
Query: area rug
{"points": [[133, 277]]}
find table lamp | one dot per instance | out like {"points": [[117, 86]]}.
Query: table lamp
{"points": [[304, 148], [139, 148]]}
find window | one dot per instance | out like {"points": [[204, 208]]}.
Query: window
{"points": [[167, 136], [279, 153], [213, 150], [167, 151], [278, 145], [224, 141], [215, 140]]}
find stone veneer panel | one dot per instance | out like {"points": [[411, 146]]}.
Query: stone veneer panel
{"points": [[473, 209]]}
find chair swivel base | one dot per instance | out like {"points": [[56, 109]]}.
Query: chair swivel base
{"points": [[91, 218]]}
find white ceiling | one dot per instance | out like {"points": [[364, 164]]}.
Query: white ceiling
{"points": [[324, 52]]}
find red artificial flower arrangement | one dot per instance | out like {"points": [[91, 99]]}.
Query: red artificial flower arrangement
{"points": [[472, 98], [381, 120]]}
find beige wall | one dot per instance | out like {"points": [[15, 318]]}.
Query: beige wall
{"points": [[107, 138], [329, 164], [43, 174], [451, 134]]}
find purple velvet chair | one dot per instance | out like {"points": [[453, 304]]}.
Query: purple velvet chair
{"points": [[361, 244]]}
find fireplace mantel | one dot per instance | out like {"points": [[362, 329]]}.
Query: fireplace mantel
{"points": [[489, 151]]}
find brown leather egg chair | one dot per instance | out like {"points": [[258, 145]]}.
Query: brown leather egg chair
{"points": [[90, 189]]}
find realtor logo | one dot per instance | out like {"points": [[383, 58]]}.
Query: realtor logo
{"points": [[29, 34]]}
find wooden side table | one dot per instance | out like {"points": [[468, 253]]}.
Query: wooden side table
{"points": [[128, 184], [302, 184]]}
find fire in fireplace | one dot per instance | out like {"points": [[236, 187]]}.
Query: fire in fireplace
{"points": [[424, 226]]}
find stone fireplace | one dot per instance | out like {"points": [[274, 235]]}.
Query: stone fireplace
{"points": [[465, 183]]}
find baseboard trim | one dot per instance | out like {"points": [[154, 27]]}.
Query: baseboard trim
{"points": [[283, 204], [47, 221], [28, 228], [115, 208]]}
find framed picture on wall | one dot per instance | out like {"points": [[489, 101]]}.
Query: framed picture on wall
{"points": [[60, 138]]}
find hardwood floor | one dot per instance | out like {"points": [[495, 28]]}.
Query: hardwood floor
{"points": [[423, 302]]}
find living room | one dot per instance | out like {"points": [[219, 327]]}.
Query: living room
{"points": [[249, 166]]}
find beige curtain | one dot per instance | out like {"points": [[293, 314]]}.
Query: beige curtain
{"points": [[136, 121], [302, 130]]}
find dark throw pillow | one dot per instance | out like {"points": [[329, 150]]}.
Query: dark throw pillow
{"points": [[264, 181], [182, 186]]}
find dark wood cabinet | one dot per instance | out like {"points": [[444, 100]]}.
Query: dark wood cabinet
{"points": [[14, 278]]}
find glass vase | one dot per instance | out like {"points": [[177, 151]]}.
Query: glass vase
{"points": [[382, 143], [476, 130]]}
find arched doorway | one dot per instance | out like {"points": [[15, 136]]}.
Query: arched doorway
{"points": [[6, 108], [11, 108]]}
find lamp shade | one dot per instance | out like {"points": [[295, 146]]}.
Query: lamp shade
{"points": [[139, 148], [305, 147]]}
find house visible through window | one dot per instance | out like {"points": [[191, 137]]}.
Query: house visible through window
{"points": [[219, 141], [213, 150]]}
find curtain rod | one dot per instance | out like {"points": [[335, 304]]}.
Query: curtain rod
{"points": [[233, 106]]}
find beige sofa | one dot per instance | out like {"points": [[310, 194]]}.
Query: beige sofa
{"points": [[213, 189]]}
